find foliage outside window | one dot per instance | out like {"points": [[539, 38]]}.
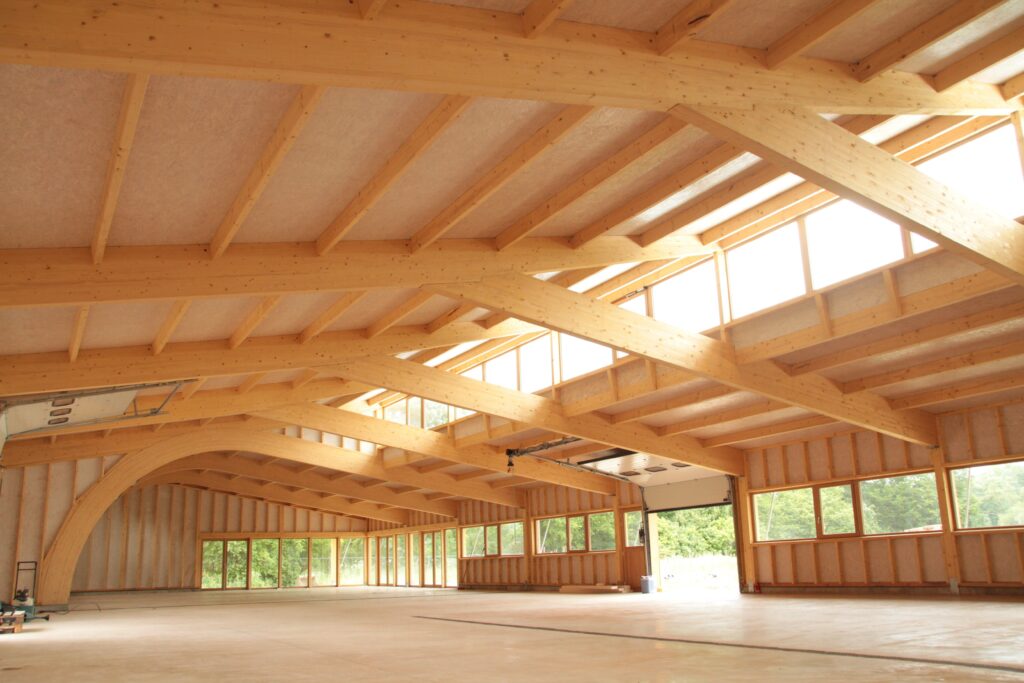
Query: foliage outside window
{"points": [[592, 532], [396, 413], [634, 523], [213, 564], [473, 541], [896, 505], [694, 532], [237, 564], [451, 557], [837, 515], [434, 414], [294, 562], [414, 559], [400, 560], [785, 515], [989, 495], [438, 558], [602, 531], [512, 538], [351, 561], [324, 562], [577, 533], [265, 553], [491, 542], [371, 573], [428, 559]]}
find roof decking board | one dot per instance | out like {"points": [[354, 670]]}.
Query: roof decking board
{"points": [[53, 169], [196, 143], [348, 139]]}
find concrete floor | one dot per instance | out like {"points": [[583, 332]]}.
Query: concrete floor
{"points": [[373, 634]]}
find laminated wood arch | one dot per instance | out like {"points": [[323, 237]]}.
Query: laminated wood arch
{"points": [[58, 564]]}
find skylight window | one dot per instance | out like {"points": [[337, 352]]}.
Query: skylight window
{"points": [[765, 271], [986, 169], [580, 356], [502, 371], [844, 240], [688, 300], [535, 365]]}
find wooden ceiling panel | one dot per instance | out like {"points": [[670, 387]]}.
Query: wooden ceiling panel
{"points": [[485, 133], [208, 319], [294, 312], [878, 25], [748, 201], [795, 436], [974, 340], [58, 134], [36, 330], [225, 382], [1008, 396], [904, 326], [649, 15], [683, 148], [774, 417], [758, 24], [994, 25], [434, 307], [602, 134], [693, 192], [196, 143], [349, 137], [129, 324], [1003, 71], [1003, 367], [514, 6], [370, 308], [729, 401]]}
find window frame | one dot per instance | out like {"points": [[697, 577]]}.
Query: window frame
{"points": [[568, 537], [954, 503], [496, 526]]}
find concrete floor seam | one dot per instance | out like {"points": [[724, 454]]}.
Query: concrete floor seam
{"points": [[686, 641]]}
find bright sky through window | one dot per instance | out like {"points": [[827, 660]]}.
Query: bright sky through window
{"points": [[766, 271], [689, 300], [844, 240]]}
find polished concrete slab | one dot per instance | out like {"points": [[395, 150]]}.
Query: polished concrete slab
{"points": [[379, 634]]}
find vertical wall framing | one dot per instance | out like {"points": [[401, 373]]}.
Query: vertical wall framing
{"points": [[945, 559]]}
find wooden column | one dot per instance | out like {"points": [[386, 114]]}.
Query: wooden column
{"points": [[745, 540], [947, 514]]}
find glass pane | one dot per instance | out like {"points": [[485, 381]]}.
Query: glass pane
{"points": [[765, 271], [512, 538], [351, 561], [463, 412], [535, 365], [476, 372], [783, 515], [844, 240], [636, 304], [602, 531], [451, 557], [294, 562], [395, 412], [634, 529], [551, 535], [986, 169], [325, 562], [416, 412], [897, 504], [438, 558], [414, 559], [688, 300], [213, 564], [473, 541], [238, 564], [919, 244], [492, 540], [580, 356], [400, 562], [428, 559], [837, 510], [434, 414], [387, 554], [990, 495], [371, 576], [577, 534], [264, 562], [502, 371]]}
